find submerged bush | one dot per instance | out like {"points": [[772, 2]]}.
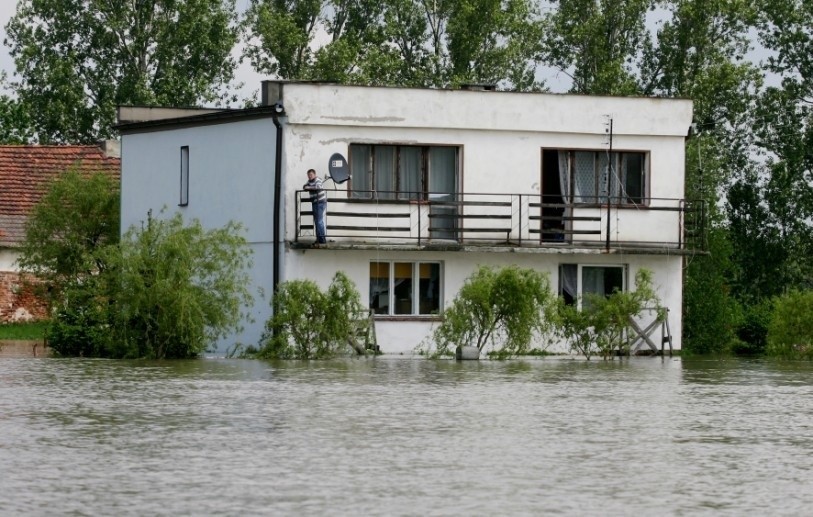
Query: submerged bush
{"points": [[80, 326], [500, 308], [752, 331], [602, 324], [311, 324], [790, 332], [167, 290], [178, 287]]}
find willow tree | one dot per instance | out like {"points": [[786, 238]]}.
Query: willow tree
{"points": [[78, 59], [503, 309]]}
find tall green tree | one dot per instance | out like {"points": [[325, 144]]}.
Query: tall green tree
{"points": [[784, 129], [397, 42], [78, 59], [597, 43], [68, 230], [15, 123], [700, 53]]}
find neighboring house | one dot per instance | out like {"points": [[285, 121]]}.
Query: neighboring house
{"points": [[25, 174], [441, 181]]}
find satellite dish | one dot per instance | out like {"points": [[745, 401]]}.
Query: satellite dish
{"points": [[339, 171]]}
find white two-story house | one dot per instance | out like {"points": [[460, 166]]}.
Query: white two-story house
{"points": [[427, 185]]}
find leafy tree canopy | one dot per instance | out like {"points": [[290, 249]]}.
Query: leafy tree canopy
{"points": [[78, 59], [69, 229], [397, 42]]}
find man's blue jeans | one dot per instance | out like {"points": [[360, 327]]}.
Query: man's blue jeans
{"points": [[319, 210]]}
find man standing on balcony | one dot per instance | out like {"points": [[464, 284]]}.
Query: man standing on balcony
{"points": [[319, 204]]}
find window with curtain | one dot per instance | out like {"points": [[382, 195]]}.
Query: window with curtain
{"points": [[405, 288], [585, 176], [576, 281], [402, 171]]}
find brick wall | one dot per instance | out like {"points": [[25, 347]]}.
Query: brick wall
{"points": [[17, 299]]}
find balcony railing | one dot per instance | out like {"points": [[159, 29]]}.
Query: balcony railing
{"points": [[525, 220]]}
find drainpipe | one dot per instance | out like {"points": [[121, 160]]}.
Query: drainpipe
{"points": [[277, 193]]}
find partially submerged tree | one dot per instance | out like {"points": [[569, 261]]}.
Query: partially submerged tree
{"points": [[166, 290], [498, 308], [601, 325], [790, 332], [178, 287], [309, 323]]}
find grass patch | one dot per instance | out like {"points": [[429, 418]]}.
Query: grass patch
{"points": [[27, 330]]}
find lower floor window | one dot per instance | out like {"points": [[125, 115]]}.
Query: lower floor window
{"points": [[577, 280], [405, 288]]}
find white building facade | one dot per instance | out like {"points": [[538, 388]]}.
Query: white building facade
{"points": [[587, 189]]}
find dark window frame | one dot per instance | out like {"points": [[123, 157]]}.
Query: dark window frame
{"points": [[394, 305], [576, 272], [184, 197], [398, 193], [636, 199]]}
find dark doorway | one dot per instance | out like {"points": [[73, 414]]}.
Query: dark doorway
{"points": [[552, 226]]}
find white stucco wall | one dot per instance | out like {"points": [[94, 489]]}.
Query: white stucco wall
{"points": [[501, 137], [402, 337], [231, 177]]}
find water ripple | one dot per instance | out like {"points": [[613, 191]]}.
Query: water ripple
{"points": [[392, 436]]}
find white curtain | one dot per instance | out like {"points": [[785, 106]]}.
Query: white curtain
{"points": [[564, 177], [584, 177], [443, 170]]}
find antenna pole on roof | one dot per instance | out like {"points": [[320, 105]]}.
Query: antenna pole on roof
{"points": [[609, 177]]}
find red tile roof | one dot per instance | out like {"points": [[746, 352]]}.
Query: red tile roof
{"points": [[27, 170]]}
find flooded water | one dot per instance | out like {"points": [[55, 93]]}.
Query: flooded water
{"points": [[392, 436]]}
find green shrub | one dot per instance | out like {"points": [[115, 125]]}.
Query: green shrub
{"points": [[790, 332], [752, 331], [311, 324], [602, 325], [500, 308], [176, 288], [80, 324]]}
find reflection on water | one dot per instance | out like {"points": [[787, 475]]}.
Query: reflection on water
{"points": [[389, 436]]}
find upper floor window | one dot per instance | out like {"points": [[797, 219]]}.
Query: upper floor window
{"points": [[184, 176], [585, 176], [402, 171]]}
